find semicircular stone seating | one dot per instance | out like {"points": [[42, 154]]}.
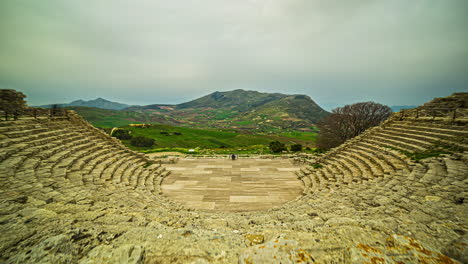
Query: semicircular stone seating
{"points": [[380, 152], [71, 194]]}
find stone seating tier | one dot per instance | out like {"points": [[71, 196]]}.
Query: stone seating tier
{"points": [[378, 151]]}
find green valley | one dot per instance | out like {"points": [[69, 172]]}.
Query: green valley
{"points": [[170, 138]]}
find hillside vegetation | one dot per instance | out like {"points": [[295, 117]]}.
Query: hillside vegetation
{"points": [[167, 136], [106, 118], [243, 110], [221, 120]]}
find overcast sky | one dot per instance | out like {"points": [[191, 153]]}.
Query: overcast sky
{"points": [[396, 52]]}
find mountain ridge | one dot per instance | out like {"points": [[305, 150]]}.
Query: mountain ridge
{"points": [[239, 109], [96, 103], [244, 109]]}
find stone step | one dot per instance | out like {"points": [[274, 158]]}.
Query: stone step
{"points": [[380, 162], [142, 178], [154, 174], [384, 141], [307, 184], [423, 131], [95, 153], [393, 157], [101, 172], [409, 144], [322, 180], [356, 171], [333, 172], [6, 142], [111, 170], [373, 164], [96, 161], [328, 174], [432, 137], [119, 173], [38, 153], [415, 139], [85, 155], [47, 151], [432, 127], [63, 151], [23, 133], [135, 176], [338, 169], [149, 182], [10, 165], [350, 172], [128, 173], [5, 129], [77, 152]]}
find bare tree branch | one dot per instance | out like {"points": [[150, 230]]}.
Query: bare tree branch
{"points": [[349, 121]]}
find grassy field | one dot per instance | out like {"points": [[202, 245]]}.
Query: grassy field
{"points": [[169, 138], [308, 136]]}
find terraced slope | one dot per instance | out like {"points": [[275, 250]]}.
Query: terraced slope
{"points": [[70, 194]]}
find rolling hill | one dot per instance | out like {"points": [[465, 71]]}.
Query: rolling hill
{"points": [[243, 110]]}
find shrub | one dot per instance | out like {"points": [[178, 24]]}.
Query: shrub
{"points": [[164, 133], [319, 150], [141, 141], [177, 133], [276, 146], [12, 102], [122, 134], [296, 147]]}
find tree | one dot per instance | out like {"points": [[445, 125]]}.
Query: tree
{"points": [[349, 121], [141, 141], [122, 134], [12, 102], [276, 146], [296, 147]]}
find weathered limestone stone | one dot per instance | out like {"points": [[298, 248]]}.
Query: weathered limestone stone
{"points": [[382, 200], [278, 250], [215, 223], [397, 249], [458, 249], [56, 249], [339, 221], [420, 216], [430, 198], [125, 254], [254, 239]]}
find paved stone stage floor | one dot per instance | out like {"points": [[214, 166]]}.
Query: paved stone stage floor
{"points": [[232, 185]]}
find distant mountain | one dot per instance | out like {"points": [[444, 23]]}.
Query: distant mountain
{"points": [[239, 100], [96, 103], [245, 110], [398, 108]]}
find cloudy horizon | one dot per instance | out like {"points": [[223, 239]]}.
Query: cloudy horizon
{"points": [[167, 52]]}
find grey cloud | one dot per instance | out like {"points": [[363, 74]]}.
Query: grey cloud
{"points": [[395, 52]]}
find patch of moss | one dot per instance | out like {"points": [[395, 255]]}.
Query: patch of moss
{"points": [[317, 165], [439, 148], [147, 164]]}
